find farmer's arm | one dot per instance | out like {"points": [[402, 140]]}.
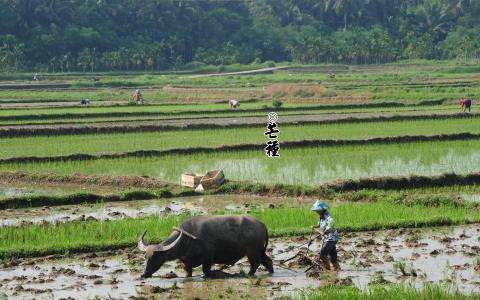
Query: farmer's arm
{"points": [[330, 226]]}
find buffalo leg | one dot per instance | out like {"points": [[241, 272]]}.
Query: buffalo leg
{"points": [[206, 266], [267, 263], [189, 270], [254, 264]]}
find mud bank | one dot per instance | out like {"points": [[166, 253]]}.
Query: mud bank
{"points": [[84, 181], [94, 183]]}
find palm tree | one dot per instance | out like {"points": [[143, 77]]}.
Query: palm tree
{"points": [[462, 5], [88, 58], [436, 15], [345, 8]]}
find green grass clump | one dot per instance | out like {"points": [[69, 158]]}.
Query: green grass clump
{"points": [[414, 197], [382, 292], [139, 195], [42, 239]]}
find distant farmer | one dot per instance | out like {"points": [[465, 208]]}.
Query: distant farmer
{"points": [[35, 77], [137, 96], [466, 103], [328, 231], [234, 104], [85, 101]]}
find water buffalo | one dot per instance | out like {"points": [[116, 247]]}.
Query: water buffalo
{"points": [[208, 240]]}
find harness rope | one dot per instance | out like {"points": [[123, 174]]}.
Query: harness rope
{"points": [[186, 233]]}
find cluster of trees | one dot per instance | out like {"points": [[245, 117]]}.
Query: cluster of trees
{"points": [[90, 35]]}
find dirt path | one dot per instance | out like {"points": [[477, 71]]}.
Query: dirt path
{"points": [[248, 72], [438, 255]]}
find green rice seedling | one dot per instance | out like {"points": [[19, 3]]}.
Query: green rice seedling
{"points": [[306, 165], [44, 239], [124, 142], [402, 267], [42, 115], [378, 279], [381, 292], [476, 264]]}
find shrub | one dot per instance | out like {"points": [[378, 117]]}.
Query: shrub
{"points": [[165, 193], [277, 103], [270, 63], [138, 195]]}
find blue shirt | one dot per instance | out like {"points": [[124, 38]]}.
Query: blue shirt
{"points": [[327, 226]]}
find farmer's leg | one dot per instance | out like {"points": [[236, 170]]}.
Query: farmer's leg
{"points": [[325, 252], [333, 252], [334, 257]]}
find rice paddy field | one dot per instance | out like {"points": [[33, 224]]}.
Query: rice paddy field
{"points": [[386, 146], [302, 165]]}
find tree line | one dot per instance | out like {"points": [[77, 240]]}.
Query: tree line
{"points": [[112, 35]]}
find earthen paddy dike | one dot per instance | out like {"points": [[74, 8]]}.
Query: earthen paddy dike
{"points": [[439, 255], [139, 208]]}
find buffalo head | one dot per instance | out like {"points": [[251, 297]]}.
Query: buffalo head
{"points": [[155, 255]]}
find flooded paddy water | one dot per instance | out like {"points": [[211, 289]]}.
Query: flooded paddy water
{"points": [[437, 255]]}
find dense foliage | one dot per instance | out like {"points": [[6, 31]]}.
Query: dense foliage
{"points": [[94, 35]]}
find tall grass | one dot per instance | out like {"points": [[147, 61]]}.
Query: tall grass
{"points": [[123, 142], [44, 239]]}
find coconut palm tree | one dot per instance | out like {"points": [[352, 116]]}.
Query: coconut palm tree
{"points": [[436, 16], [345, 8]]}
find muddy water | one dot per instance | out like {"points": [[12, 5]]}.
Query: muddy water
{"points": [[437, 255], [133, 209]]}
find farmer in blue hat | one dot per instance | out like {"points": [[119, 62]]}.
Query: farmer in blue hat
{"points": [[328, 231]]}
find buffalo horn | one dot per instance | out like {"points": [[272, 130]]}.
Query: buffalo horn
{"points": [[172, 244], [141, 244]]}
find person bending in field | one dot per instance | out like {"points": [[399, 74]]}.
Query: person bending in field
{"points": [[85, 102], [466, 103], [328, 231], [234, 104], [137, 96]]}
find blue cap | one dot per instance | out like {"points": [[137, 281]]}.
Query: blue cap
{"points": [[319, 205]]}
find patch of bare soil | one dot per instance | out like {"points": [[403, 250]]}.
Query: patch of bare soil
{"points": [[84, 180]]}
